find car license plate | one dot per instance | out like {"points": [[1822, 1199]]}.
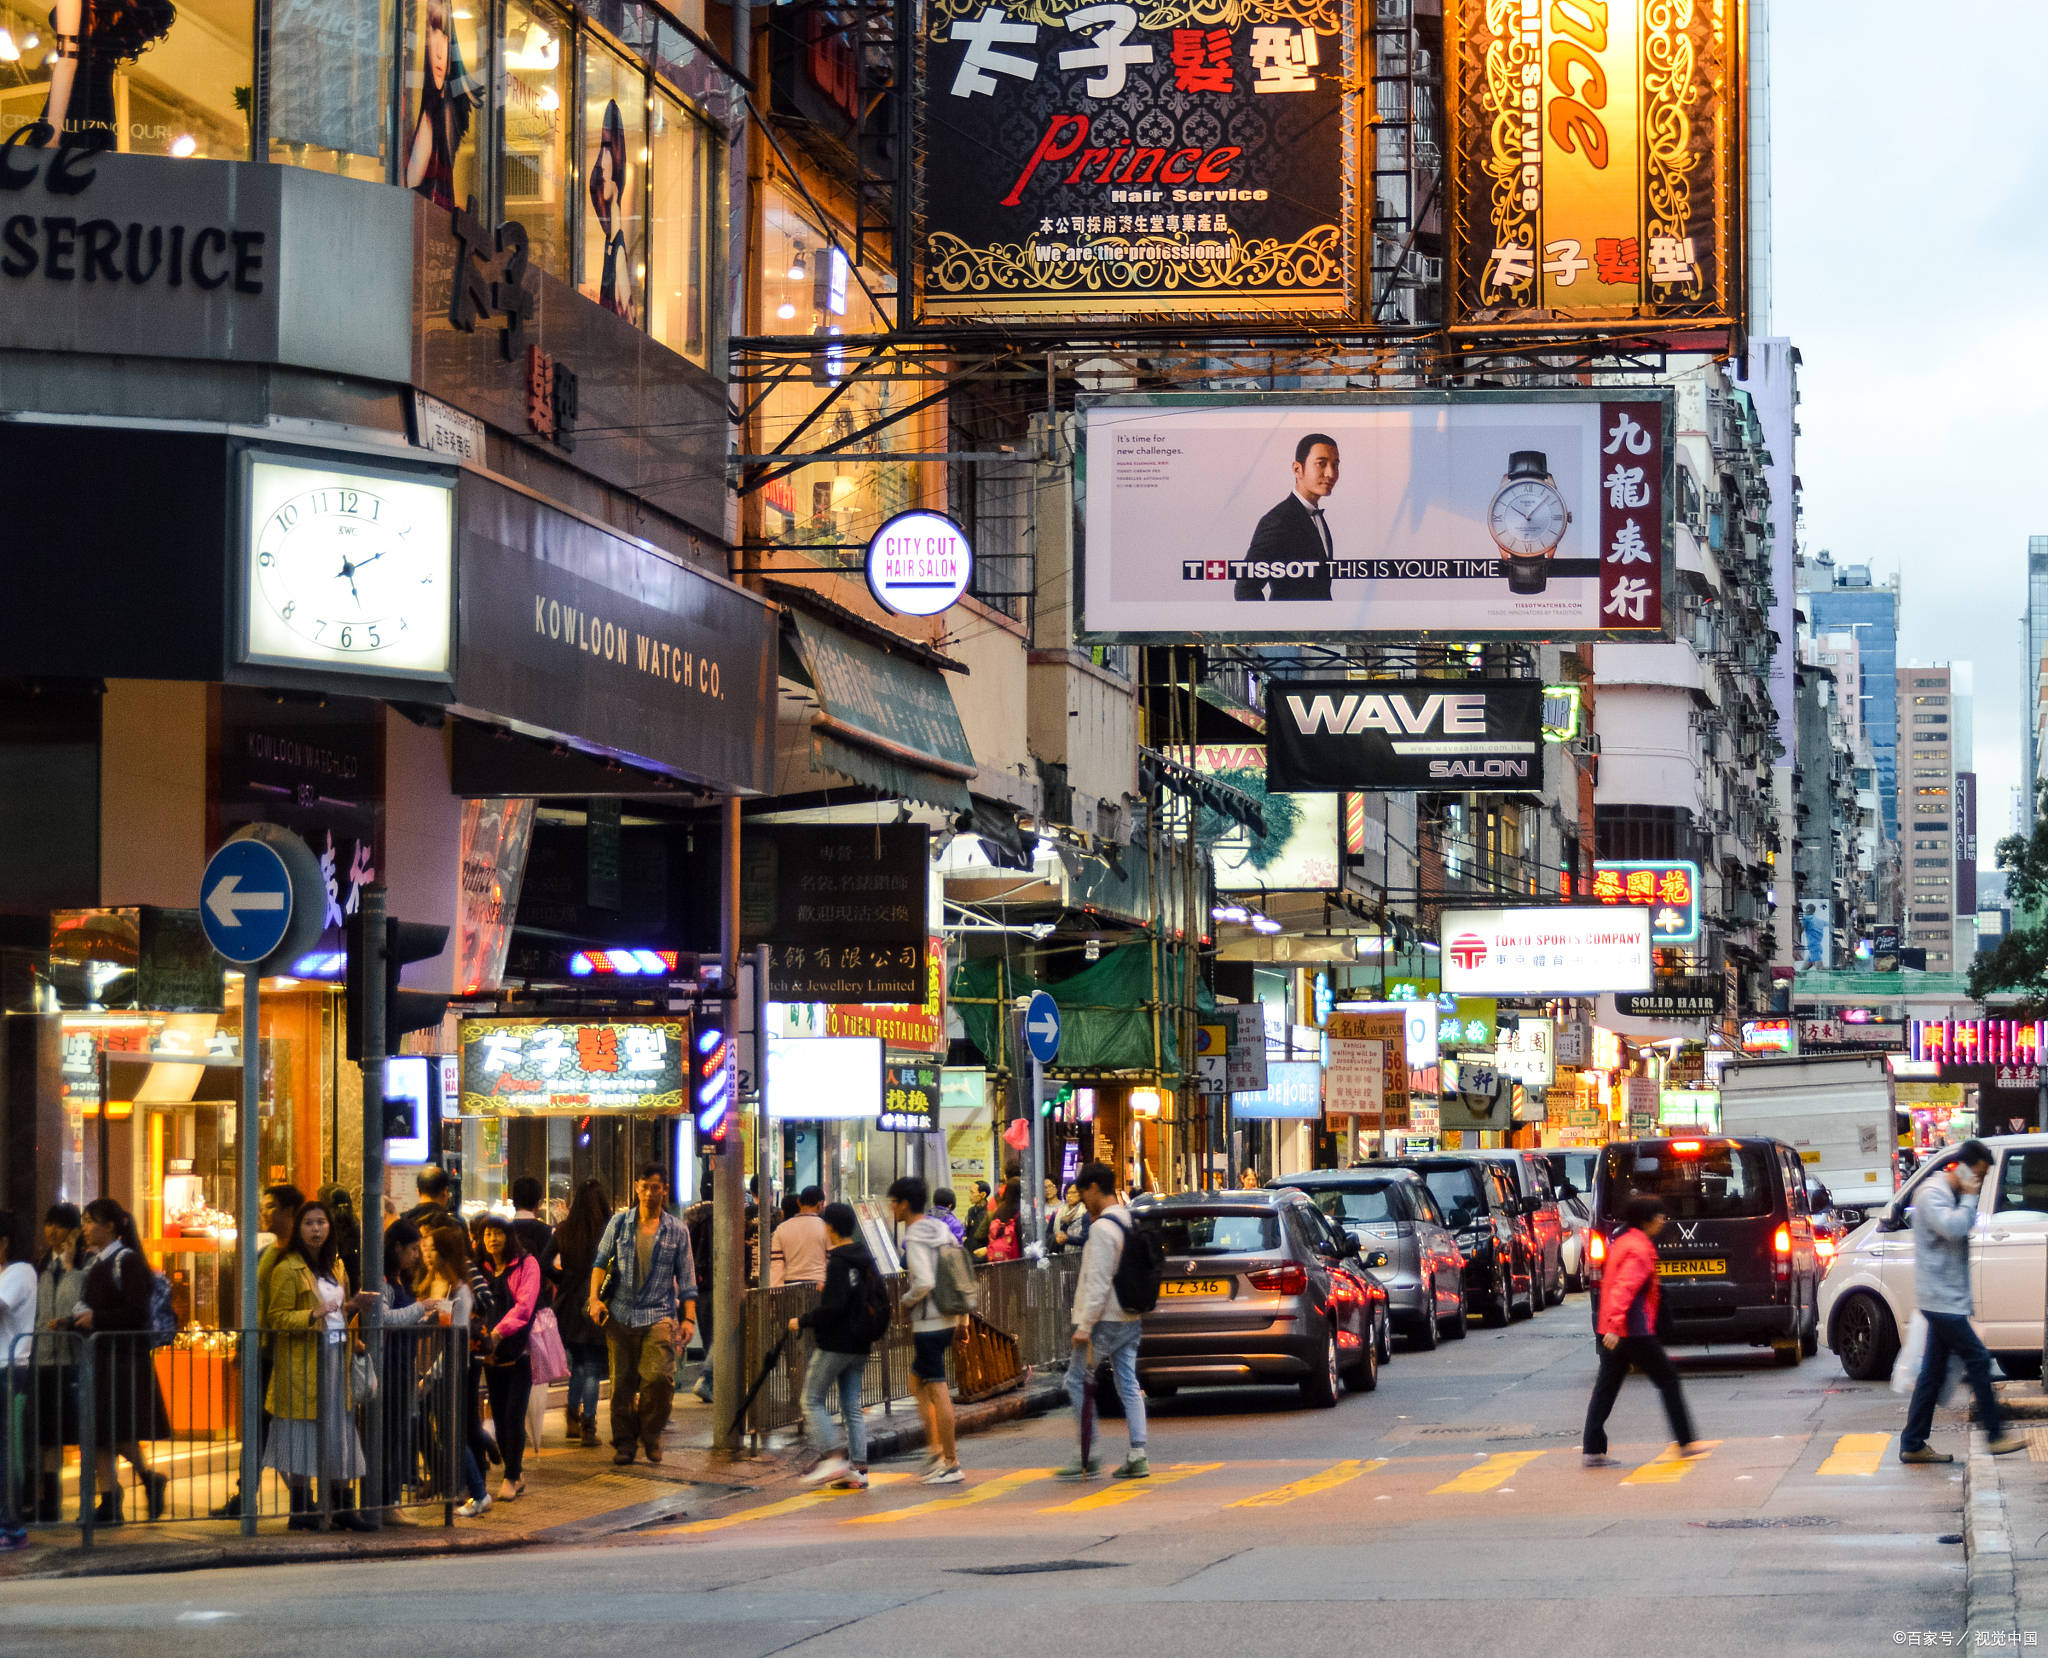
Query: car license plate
{"points": [[1176, 1288], [1716, 1268]]}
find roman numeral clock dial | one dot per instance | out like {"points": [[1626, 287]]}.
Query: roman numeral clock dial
{"points": [[349, 569]]}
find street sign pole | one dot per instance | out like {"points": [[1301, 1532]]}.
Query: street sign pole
{"points": [[767, 1154], [247, 1133], [1034, 1190], [375, 1040]]}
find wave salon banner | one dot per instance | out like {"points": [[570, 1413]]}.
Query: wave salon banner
{"points": [[1596, 169], [1262, 519], [1348, 735], [1109, 161]]}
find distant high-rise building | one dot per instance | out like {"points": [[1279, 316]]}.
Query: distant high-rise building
{"points": [[1843, 599], [1928, 704], [2034, 631]]}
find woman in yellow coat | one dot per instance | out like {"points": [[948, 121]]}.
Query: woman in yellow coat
{"points": [[306, 1309]]}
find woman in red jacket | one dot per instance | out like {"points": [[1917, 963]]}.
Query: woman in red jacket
{"points": [[1628, 1331]]}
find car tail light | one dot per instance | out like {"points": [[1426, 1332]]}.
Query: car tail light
{"points": [[1596, 1246], [1781, 1240], [1292, 1279], [1824, 1248], [1686, 1148]]}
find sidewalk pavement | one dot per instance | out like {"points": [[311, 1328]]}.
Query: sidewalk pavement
{"points": [[2005, 1529], [572, 1496]]}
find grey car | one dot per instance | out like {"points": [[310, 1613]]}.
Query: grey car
{"points": [[1394, 1211]]}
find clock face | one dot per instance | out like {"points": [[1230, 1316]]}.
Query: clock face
{"points": [[1528, 518], [349, 569]]}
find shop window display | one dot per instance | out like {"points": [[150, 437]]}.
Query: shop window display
{"points": [[444, 101], [615, 181], [680, 225], [330, 80], [538, 57]]}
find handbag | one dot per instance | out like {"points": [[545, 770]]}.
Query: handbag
{"points": [[550, 1358], [362, 1378]]}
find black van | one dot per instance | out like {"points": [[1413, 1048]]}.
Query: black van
{"points": [[1736, 1262]]}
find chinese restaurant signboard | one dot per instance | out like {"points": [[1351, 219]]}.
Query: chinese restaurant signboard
{"points": [[1669, 891], [534, 1066], [841, 908], [1596, 163], [1107, 160]]}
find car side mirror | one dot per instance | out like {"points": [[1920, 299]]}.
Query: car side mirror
{"points": [[1892, 1221], [1351, 1248], [1378, 1258]]}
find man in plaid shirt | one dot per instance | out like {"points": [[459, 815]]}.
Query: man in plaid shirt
{"points": [[644, 1262]]}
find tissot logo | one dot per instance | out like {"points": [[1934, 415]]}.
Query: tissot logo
{"points": [[1468, 950]]}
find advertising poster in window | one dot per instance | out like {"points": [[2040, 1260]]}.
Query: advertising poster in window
{"points": [[1595, 175], [1108, 160], [444, 89], [1479, 515]]}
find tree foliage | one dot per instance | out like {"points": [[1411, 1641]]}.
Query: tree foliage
{"points": [[2019, 966]]}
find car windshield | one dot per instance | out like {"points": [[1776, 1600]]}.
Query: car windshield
{"points": [[1354, 1205], [1716, 1182], [1217, 1231], [1456, 1193]]}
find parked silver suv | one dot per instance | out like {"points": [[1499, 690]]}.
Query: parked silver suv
{"points": [[1393, 1210]]}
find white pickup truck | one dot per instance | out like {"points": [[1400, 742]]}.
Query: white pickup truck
{"points": [[1837, 1111]]}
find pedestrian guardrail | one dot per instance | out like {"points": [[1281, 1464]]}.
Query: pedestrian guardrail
{"points": [[1028, 1301], [123, 1428]]}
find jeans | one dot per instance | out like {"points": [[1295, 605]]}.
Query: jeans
{"points": [[1114, 1340], [1649, 1353], [1950, 1333], [839, 1373], [588, 1362], [509, 1386]]}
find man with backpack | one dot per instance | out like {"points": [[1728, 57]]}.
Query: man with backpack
{"points": [[932, 1302], [1120, 1269], [851, 1316]]}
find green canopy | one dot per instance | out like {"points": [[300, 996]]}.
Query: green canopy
{"points": [[1105, 1019]]}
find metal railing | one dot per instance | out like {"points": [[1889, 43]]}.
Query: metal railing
{"points": [[1026, 1300], [121, 1428]]}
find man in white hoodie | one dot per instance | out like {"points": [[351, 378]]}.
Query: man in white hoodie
{"points": [[1103, 1332], [931, 1331]]}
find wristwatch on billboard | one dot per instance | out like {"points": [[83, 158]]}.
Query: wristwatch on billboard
{"points": [[1527, 520]]}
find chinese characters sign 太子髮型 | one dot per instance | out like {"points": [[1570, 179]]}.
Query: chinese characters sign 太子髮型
{"points": [[1090, 159], [1595, 166], [513, 1066]]}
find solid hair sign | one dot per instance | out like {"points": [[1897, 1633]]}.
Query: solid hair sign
{"points": [[919, 563]]}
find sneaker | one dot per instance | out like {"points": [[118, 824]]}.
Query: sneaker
{"points": [[930, 1466], [1134, 1467], [948, 1475], [854, 1479], [701, 1392], [510, 1490], [1692, 1448], [828, 1468], [11, 1540], [1926, 1453], [475, 1506], [2005, 1444], [1597, 1459], [1081, 1469]]}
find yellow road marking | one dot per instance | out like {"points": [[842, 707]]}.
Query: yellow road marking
{"points": [[1126, 1490], [1342, 1473], [1668, 1466], [1856, 1453], [1484, 1476], [774, 1510], [2037, 1444], [1001, 1486]]}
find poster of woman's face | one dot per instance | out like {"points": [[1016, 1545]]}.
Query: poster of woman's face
{"points": [[607, 196], [442, 95]]}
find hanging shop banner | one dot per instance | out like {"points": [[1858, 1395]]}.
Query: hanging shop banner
{"points": [[910, 1098], [533, 1066], [496, 834], [1472, 515], [1545, 950], [1669, 891], [1368, 1070], [916, 1028], [1293, 1091], [1092, 160], [1298, 851], [1398, 734], [1687, 998], [1596, 168], [841, 908]]}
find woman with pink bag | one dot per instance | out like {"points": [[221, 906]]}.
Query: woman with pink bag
{"points": [[514, 1280]]}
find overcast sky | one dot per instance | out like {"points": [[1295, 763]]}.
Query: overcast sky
{"points": [[1910, 205]]}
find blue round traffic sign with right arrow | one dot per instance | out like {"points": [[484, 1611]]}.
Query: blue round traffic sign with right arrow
{"points": [[245, 901], [1042, 1027]]}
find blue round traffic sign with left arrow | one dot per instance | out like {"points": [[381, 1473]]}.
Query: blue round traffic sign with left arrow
{"points": [[1042, 1027], [246, 900]]}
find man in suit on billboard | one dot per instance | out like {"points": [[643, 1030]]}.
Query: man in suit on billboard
{"points": [[1295, 532]]}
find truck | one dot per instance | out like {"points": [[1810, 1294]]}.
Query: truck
{"points": [[1838, 1111]]}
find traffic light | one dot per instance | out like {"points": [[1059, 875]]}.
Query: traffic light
{"points": [[404, 1010], [714, 1065]]}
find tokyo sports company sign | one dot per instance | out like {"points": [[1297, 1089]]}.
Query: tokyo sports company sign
{"points": [[1548, 950], [919, 563]]}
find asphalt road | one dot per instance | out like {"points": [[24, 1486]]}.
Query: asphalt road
{"points": [[1447, 1513]]}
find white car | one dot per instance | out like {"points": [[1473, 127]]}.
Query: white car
{"points": [[1866, 1300], [1577, 1221]]}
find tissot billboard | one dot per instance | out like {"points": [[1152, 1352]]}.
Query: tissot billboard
{"points": [[1097, 160], [1384, 734], [1596, 169], [1263, 519]]}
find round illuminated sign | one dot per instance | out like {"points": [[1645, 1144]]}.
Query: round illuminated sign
{"points": [[919, 563]]}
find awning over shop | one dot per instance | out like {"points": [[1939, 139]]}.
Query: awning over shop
{"points": [[883, 720]]}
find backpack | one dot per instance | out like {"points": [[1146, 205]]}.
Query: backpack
{"points": [[955, 1289], [869, 1319], [1140, 1266], [163, 1320]]}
